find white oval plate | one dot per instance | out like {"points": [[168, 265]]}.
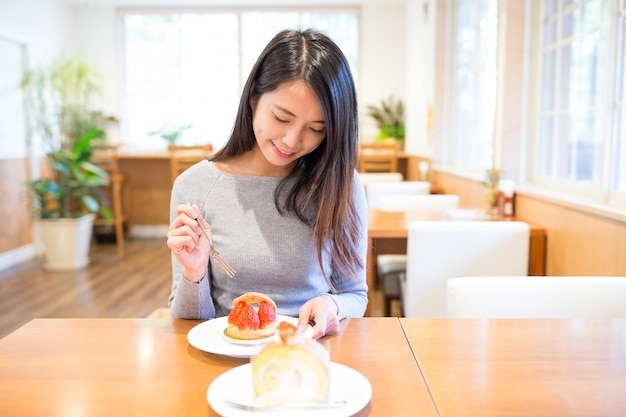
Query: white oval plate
{"points": [[346, 385], [209, 337]]}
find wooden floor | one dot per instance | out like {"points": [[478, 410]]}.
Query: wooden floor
{"points": [[132, 285]]}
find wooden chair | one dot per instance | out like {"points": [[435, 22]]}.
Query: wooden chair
{"points": [[106, 158], [182, 157], [378, 157]]}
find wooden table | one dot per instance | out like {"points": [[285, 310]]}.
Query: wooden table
{"points": [[146, 367], [520, 368], [417, 367], [388, 231]]}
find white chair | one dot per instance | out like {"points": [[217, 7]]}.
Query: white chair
{"points": [[369, 177], [441, 250], [375, 190], [537, 297], [404, 202], [391, 267]]}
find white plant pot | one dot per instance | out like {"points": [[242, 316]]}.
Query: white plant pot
{"points": [[66, 242]]}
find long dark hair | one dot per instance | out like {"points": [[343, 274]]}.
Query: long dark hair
{"points": [[321, 195]]}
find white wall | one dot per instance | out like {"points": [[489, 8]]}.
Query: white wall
{"points": [[97, 42], [46, 29], [46, 26], [420, 68], [382, 68]]}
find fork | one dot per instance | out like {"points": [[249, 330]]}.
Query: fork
{"points": [[215, 255], [252, 406]]}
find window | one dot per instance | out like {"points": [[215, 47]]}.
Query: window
{"points": [[474, 84], [188, 68], [618, 179], [579, 101]]}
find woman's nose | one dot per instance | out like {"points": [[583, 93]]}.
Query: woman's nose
{"points": [[292, 137]]}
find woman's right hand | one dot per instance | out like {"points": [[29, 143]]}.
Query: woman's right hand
{"points": [[187, 242]]}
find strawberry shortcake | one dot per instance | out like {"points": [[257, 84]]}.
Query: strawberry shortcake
{"points": [[253, 317]]}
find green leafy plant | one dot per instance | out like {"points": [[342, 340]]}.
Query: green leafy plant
{"points": [[58, 101], [170, 134], [492, 178], [389, 117]]}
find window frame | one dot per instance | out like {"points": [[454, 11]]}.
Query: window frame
{"points": [[615, 197], [601, 193]]}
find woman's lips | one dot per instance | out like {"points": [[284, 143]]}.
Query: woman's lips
{"points": [[281, 153]]}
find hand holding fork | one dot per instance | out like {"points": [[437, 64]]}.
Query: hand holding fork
{"points": [[216, 257]]}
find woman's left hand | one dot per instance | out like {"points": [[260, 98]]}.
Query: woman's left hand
{"points": [[321, 313]]}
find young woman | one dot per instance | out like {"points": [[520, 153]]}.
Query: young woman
{"points": [[282, 201]]}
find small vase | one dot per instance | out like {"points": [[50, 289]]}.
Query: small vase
{"points": [[492, 178]]}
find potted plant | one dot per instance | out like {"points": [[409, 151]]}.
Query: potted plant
{"points": [[389, 116], [492, 178], [171, 134], [69, 194]]}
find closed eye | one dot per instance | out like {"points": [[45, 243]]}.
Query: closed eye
{"points": [[279, 119]]}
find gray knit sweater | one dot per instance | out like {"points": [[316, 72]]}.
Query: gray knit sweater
{"points": [[273, 254]]}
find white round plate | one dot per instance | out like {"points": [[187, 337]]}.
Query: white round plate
{"points": [[346, 385], [209, 337]]}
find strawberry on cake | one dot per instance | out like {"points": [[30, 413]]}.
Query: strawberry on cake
{"points": [[253, 318]]}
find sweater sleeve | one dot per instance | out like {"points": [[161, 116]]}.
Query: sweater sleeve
{"points": [[188, 300]]}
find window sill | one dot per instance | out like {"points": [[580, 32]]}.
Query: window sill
{"points": [[570, 202], [550, 196]]}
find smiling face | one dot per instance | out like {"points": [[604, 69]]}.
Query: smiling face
{"points": [[288, 124]]}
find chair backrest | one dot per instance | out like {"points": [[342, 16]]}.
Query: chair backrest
{"points": [[378, 157], [106, 157], [182, 157], [370, 177], [439, 250], [402, 202], [537, 297], [375, 190]]}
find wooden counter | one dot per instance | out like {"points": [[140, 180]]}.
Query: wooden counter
{"points": [[149, 187]]}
